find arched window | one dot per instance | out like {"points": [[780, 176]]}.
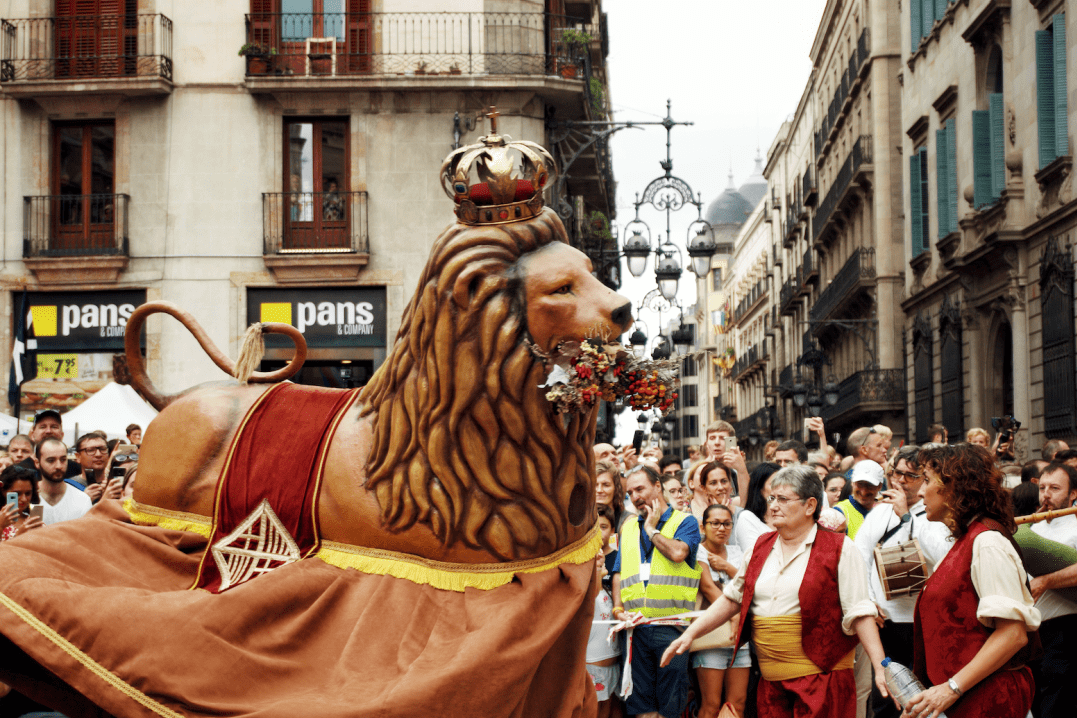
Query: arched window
{"points": [[923, 376], [988, 136]]}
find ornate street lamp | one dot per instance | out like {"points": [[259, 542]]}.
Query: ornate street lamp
{"points": [[637, 248], [667, 271], [661, 348], [701, 248], [670, 423], [830, 390], [642, 420], [638, 340], [800, 390], [682, 338]]}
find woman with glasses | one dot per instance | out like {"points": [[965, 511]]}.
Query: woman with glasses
{"points": [[970, 637], [715, 668], [805, 594]]}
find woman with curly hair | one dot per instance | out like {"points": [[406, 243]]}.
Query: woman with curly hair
{"points": [[608, 491], [976, 609]]}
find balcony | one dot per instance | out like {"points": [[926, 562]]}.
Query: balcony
{"points": [[809, 271], [114, 54], [785, 382], [856, 169], [788, 296], [753, 359], [857, 274], [843, 92], [315, 236], [417, 49], [810, 190], [75, 239], [872, 391], [792, 229], [776, 253]]}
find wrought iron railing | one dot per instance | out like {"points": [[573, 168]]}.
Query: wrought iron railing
{"points": [[788, 295], [810, 190], [416, 43], [857, 61], [872, 389], [859, 267], [314, 222], [785, 381], [75, 225], [776, 252], [86, 47], [746, 361], [810, 268], [861, 154]]}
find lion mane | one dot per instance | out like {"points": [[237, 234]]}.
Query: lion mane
{"points": [[464, 440]]}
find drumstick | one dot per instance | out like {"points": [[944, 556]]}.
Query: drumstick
{"points": [[1045, 516]]}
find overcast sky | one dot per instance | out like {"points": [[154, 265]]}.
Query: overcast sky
{"points": [[736, 70]]}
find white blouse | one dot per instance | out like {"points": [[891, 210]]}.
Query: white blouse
{"points": [[999, 580], [778, 586]]}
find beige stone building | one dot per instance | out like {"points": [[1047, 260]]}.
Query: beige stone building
{"points": [[145, 158], [990, 213]]}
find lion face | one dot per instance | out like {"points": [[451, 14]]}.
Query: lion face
{"points": [[564, 300]]}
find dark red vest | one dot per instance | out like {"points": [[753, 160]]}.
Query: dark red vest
{"points": [[820, 605], [946, 611]]}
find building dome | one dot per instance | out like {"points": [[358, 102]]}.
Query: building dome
{"points": [[730, 207], [754, 188]]}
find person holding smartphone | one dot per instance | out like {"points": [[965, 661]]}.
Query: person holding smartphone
{"points": [[15, 518]]}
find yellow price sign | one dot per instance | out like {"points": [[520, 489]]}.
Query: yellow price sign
{"points": [[58, 366]]}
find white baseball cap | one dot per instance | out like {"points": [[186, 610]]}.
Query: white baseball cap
{"points": [[868, 471]]}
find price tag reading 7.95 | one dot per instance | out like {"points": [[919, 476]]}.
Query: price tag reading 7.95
{"points": [[58, 366]]}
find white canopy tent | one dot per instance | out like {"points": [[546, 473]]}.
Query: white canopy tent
{"points": [[10, 427], [111, 410]]}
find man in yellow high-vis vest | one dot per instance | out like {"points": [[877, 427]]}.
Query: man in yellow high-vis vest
{"points": [[655, 575]]}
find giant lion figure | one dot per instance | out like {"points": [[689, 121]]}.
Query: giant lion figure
{"points": [[453, 565]]}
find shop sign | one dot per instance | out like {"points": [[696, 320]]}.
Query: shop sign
{"points": [[80, 321], [57, 366], [326, 317]]}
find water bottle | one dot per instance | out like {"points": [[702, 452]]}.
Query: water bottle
{"points": [[902, 683]]}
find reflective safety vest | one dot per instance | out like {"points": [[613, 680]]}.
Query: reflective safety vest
{"points": [[671, 588], [853, 518]]}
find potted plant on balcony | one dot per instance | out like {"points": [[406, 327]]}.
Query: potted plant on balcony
{"points": [[258, 57], [573, 42]]}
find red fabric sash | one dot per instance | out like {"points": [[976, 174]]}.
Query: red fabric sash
{"points": [[821, 636], [278, 454]]}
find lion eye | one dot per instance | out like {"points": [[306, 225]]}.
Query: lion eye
{"points": [[566, 289]]}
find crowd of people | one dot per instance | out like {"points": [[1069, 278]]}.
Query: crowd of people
{"points": [[780, 587]]}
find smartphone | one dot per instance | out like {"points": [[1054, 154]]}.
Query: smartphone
{"points": [[37, 510], [637, 441], [731, 443], [13, 500], [126, 450], [91, 476], [117, 472]]}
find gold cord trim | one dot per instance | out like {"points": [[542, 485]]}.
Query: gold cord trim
{"points": [[90, 664], [146, 515], [453, 576]]}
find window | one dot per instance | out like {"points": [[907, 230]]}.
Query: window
{"points": [[689, 395], [953, 398], [96, 38], [918, 202], [988, 137], [922, 17], [690, 426], [716, 279], [340, 27], [1051, 91], [316, 198], [946, 177], [688, 366], [83, 205], [1056, 302], [717, 406], [923, 378]]}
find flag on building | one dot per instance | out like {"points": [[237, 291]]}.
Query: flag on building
{"points": [[23, 352]]}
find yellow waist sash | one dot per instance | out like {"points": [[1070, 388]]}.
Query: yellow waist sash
{"points": [[781, 656]]}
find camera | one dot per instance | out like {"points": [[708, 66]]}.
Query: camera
{"points": [[1006, 426]]}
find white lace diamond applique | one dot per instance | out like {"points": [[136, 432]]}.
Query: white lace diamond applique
{"points": [[258, 545]]}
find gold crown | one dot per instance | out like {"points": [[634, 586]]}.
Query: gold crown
{"points": [[499, 180]]}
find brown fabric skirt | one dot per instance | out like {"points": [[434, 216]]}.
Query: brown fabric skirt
{"points": [[105, 606]]}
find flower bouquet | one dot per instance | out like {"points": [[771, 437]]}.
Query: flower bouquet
{"points": [[582, 373]]}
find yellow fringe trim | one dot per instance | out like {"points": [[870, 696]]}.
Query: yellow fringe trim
{"points": [[145, 515], [453, 576], [90, 664]]}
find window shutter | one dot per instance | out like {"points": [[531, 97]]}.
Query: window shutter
{"points": [[1061, 91], [951, 171], [915, 225], [1045, 96], [981, 157], [927, 15], [940, 9], [998, 144], [917, 29], [942, 197], [925, 203]]}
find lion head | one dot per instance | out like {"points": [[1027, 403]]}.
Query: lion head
{"points": [[464, 440]]}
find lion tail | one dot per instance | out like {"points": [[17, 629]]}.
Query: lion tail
{"points": [[250, 354]]}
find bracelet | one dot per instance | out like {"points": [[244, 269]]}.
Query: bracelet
{"points": [[954, 687]]}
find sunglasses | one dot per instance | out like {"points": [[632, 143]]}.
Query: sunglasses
{"points": [[122, 458]]}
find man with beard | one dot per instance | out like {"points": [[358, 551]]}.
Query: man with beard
{"points": [[1056, 672], [655, 575], [62, 501]]}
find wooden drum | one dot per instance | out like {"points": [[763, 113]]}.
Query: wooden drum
{"points": [[903, 570]]}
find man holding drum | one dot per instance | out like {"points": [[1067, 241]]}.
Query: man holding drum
{"points": [[898, 518]]}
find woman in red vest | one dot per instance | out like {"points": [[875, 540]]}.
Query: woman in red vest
{"points": [[804, 590], [972, 617]]}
